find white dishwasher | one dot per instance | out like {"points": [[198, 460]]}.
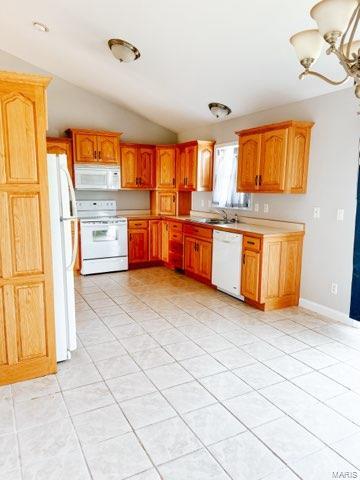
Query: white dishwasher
{"points": [[226, 262]]}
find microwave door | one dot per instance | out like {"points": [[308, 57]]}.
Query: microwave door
{"points": [[91, 179]]}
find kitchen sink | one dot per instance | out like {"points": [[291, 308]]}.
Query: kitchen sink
{"points": [[213, 221]]}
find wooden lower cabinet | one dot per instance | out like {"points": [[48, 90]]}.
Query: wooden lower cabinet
{"points": [[176, 245], [198, 253], [145, 242], [271, 270], [250, 275], [138, 245], [165, 241], [155, 240]]}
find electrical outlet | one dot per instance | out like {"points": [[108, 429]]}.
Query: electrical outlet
{"points": [[266, 208], [202, 203], [256, 207], [316, 212], [209, 203], [334, 288], [340, 215]]}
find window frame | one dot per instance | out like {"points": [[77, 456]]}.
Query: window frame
{"points": [[214, 206]]}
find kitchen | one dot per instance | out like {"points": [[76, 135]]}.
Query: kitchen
{"points": [[202, 301]]}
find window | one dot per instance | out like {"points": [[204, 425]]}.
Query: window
{"points": [[225, 171]]}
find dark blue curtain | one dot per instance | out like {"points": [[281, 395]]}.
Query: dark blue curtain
{"points": [[355, 291]]}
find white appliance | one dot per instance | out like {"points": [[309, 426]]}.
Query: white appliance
{"points": [[226, 262], [64, 251], [100, 177], [104, 242]]}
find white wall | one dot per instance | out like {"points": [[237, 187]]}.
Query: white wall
{"points": [[328, 246], [71, 106]]}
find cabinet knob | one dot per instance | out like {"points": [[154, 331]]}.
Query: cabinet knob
{"points": [[99, 155], [260, 180], [95, 155], [256, 179]]}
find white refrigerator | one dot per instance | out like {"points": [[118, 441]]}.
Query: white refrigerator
{"points": [[64, 250]]}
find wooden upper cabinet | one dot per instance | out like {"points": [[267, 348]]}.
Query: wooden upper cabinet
{"points": [[249, 163], [85, 148], [107, 149], [137, 166], [61, 145], [194, 166], [129, 168], [273, 161], [92, 146], [274, 158], [205, 166], [165, 168], [146, 167]]}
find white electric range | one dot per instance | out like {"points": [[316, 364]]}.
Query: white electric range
{"points": [[104, 243]]}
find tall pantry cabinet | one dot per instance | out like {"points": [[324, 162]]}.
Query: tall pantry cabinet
{"points": [[27, 340]]}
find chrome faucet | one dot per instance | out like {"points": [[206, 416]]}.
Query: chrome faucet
{"points": [[225, 215]]}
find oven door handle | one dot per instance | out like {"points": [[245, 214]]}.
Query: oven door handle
{"points": [[72, 219]]}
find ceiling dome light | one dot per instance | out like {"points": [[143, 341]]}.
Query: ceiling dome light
{"points": [[41, 27], [123, 51], [219, 110]]}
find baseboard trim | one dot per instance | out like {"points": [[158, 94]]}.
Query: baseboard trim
{"points": [[328, 312]]}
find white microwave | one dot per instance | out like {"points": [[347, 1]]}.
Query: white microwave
{"points": [[101, 177]]}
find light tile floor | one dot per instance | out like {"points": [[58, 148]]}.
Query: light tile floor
{"points": [[173, 380]]}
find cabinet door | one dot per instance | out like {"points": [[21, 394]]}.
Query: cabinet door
{"points": [[190, 167], [190, 255], [27, 339], [205, 161], [250, 275], [61, 146], [146, 167], [180, 168], [129, 177], [204, 250], [165, 241], [108, 149], [155, 234], [248, 163], [165, 168], [85, 148], [273, 161], [138, 245], [166, 203]]}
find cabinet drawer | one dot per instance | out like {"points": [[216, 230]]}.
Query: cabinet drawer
{"points": [[138, 223], [194, 231], [252, 243], [176, 237], [176, 227]]}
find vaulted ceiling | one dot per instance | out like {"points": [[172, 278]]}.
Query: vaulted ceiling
{"points": [[192, 52]]}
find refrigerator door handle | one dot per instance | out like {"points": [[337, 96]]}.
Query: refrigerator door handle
{"points": [[72, 219]]}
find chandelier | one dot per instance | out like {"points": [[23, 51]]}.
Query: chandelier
{"points": [[337, 22]]}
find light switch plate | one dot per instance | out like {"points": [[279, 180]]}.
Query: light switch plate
{"points": [[256, 207], [316, 212], [340, 215], [266, 208]]}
